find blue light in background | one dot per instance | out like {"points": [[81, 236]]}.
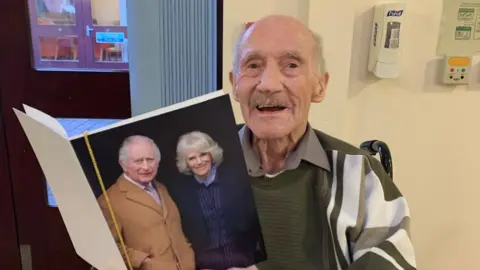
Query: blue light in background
{"points": [[73, 127]]}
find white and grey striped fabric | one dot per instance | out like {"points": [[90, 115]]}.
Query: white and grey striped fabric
{"points": [[368, 216]]}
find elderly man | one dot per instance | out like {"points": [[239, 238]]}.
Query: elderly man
{"points": [[322, 203], [148, 218]]}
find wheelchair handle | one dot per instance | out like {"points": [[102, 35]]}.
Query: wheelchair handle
{"points": [[376, 146]]}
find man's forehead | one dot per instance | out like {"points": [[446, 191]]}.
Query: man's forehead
{"points": [[140, 148], [142, 154], [276, 45]]}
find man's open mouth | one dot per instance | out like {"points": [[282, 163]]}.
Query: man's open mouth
{"points": [[268, 108]]}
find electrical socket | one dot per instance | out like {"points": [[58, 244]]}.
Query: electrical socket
{"points": [[456, 69]]}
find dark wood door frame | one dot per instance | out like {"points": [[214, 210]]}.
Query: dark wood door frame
{"points": [[60, 94], [8, 233]]}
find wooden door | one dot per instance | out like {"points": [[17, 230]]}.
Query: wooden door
{"points": [[60, 94], [79, 35], [57, 34], [106, 34], [8, 233]]}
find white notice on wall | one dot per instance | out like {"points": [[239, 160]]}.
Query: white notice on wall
{"points": [[460, 27]]}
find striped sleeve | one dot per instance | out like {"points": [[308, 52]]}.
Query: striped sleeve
{"points": [[380, 238]]}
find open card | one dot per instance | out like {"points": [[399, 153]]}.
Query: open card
{"points": [[200, 204]]}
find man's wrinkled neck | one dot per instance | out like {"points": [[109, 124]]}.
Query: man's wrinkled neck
{"points": [[274, 152]]}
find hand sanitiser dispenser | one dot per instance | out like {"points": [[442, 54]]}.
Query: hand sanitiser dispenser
{"points": [[385, 42]]}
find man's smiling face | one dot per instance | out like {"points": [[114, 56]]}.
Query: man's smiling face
{"points": [[276, 80]]}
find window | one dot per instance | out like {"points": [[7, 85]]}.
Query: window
{"points": [[80, 35]]}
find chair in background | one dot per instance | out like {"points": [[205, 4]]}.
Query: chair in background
{"points": [[374, 147]]}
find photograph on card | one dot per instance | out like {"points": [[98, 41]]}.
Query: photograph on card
{"points": [[174, 189]]}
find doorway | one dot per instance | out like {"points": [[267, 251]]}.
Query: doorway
{"points": [[37, 232], [79, 35]]}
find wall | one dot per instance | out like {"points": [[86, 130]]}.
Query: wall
{"points": [[431, 128], [433, 131]]}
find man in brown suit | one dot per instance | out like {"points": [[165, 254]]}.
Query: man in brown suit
{"points": [[146, 215]]}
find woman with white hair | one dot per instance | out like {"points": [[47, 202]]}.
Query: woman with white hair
{"points": [[199, 155], [216, 206]]}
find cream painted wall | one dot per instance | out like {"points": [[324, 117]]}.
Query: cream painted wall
{"points": [[432, 129]]}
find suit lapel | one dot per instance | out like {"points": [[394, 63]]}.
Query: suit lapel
{"points": [[162, 195], [137, 195]]}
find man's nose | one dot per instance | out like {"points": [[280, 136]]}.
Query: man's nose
{"points": [[144, 165], [271, 78]]}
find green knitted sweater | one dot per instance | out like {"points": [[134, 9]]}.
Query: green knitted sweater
{"points": [[289, 216]]}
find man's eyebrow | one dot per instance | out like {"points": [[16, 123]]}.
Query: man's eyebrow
{"points": [[251, 55], [293, 54], [248, 56]]}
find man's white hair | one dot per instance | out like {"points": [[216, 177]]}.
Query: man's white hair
{"points": [[123, 151], [320, 65]]}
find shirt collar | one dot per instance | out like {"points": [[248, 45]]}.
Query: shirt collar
{"points": [[136, 183], [210, 177], [308, 149]]}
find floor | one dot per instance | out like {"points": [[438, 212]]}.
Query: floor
{"points": [[76, 126]]}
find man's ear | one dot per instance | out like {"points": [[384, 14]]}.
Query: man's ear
{"points": [[232, 83], [230, 77], [320, 88], [122, 165]]}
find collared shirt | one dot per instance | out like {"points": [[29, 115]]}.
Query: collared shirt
{"points": [[353, 176], [209, 179], [308, 149], [150, 189]]}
